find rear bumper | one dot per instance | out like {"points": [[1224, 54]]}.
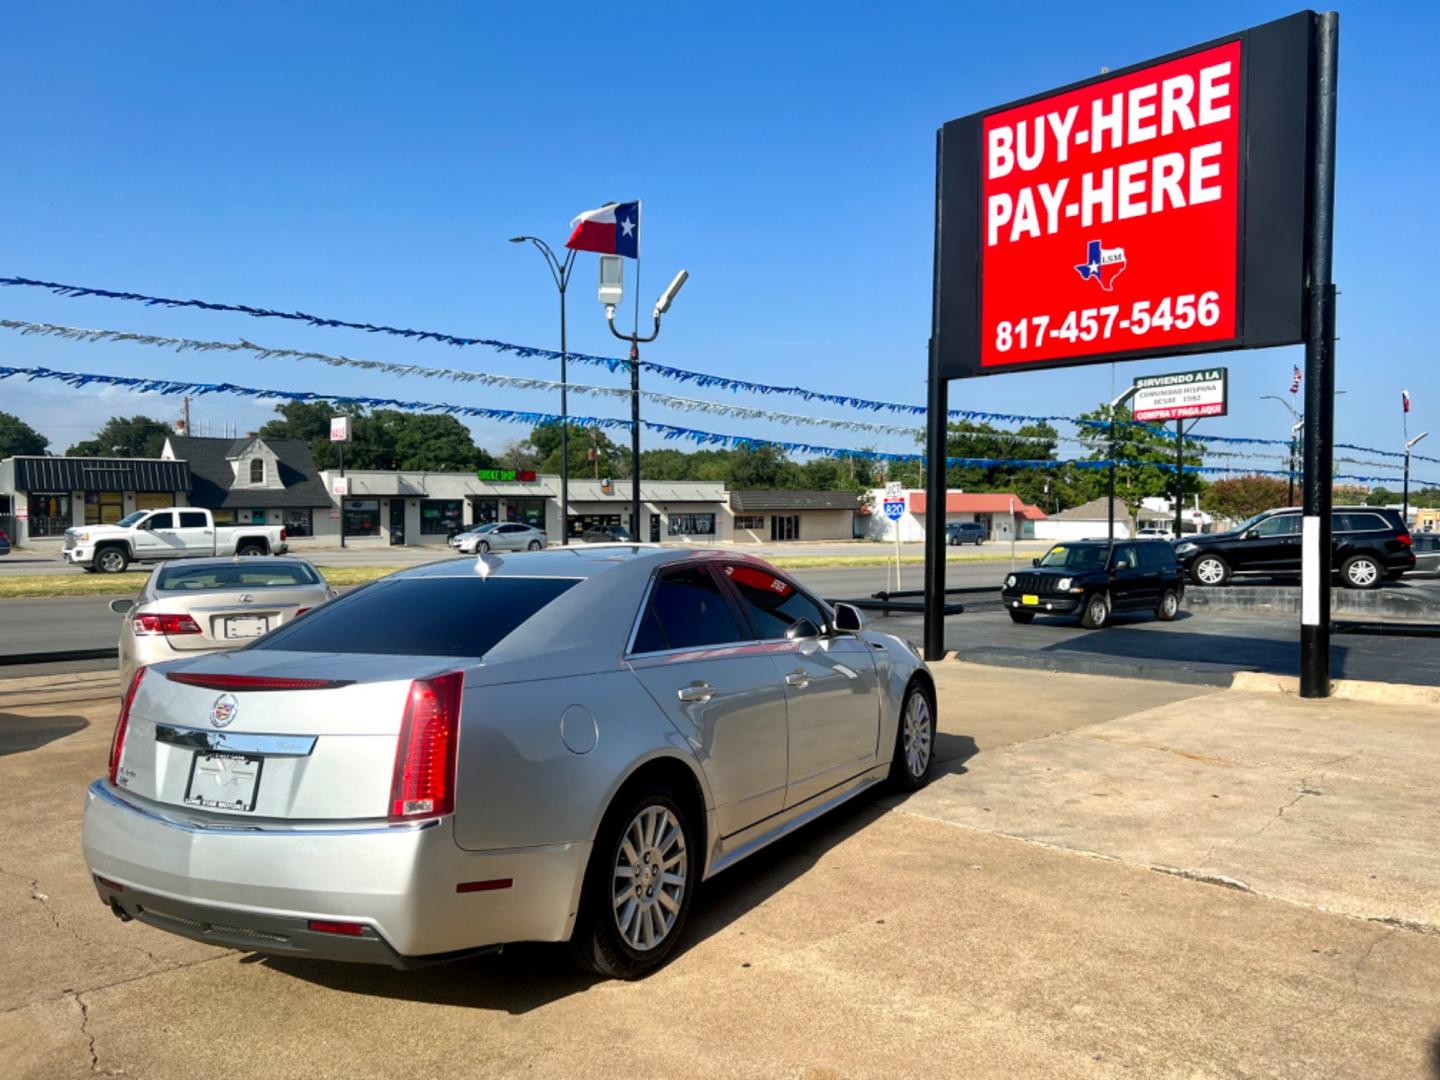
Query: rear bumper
{"points": [[257, 889]]}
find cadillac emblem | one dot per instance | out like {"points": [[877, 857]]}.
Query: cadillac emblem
{"points": [[224, 710]]}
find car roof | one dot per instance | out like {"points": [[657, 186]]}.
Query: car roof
{"points": [[576, 561]]}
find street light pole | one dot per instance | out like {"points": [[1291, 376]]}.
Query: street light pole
{"points": [[560, 271], [1405, 513], [1113, 406]]}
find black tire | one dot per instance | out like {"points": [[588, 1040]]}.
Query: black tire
{"points": [[482, 547], [598, 943], [911, 772], [534, 545], [1216, 570], [1168, 610], [1362, 572], [1096, 612], [111, 560], [250, 549], [1022, 617]]}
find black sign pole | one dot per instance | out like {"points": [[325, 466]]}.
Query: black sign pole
{"points": [[1179, 474], [1319, 368], [936, 451]]}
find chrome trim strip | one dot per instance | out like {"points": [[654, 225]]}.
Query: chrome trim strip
{"points": [[100, 789], [235, 741]]}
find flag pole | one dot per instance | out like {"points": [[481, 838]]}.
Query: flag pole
{"points": [[635, 386]]}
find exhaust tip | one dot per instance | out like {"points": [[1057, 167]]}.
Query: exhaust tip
{"points": [[119, 912]]}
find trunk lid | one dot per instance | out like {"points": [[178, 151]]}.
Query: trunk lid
{"points": [[227, 622], [323, 750]]}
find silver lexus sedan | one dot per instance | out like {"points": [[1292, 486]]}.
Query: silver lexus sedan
{"points": [[193, 606], [550, 746]]}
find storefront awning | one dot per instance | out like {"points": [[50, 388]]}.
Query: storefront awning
{"points": [[100, 474]]}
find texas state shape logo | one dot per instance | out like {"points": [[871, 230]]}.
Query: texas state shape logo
{"points": [[1101, 265]]}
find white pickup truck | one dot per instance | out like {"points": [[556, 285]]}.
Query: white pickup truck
{"points": [[179, 532]]}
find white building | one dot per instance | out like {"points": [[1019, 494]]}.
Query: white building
{"points": [[1001, 514]]}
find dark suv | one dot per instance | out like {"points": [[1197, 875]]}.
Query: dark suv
{"points": [[1098, 578], [965, 532], [1369, 544]]}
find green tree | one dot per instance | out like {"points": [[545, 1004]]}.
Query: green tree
{"points": [[755, 468], [125, 436], [610, 459], [1147, 458], [1383, 497], [18, 437], [1239, 497]]}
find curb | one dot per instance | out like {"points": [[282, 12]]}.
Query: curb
{"points": [[1377, 604], [1117, 668], [1377, 693]]}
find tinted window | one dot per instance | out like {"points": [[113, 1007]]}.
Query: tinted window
{"points": [[686, 611], [192, 519], [771, 602], [161, 521], [249, 574], [1279, 525], [1081, 557], [1156, 556], [1125, 553], [1358, 523], [420, 617]]}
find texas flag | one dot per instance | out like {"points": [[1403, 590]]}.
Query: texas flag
{"points": [[1102, 265], [614, 229], [1405, 397]]}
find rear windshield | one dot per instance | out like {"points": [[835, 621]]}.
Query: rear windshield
{"points": [[420, 617], [250, 574], [1077, 557]]}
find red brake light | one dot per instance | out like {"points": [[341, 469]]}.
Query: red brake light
{"points": [[161, 623], [251, 682], [283, 535], [122, 722], [424, 783], [1404, 539], [328, 926], [300, 611]]}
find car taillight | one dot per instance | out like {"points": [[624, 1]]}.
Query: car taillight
{"points": [[164, 624], [300, 611], [122, 722], [424, 783], [1405, 540], [284, 535]]}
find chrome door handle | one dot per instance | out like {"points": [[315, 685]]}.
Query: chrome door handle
{"points": [[797, 678], [696, 692]]}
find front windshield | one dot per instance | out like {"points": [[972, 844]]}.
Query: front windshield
{"points": [[131, 519], [1077, 557]]}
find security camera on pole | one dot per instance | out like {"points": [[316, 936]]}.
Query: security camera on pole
{"points": [[613, 232]]}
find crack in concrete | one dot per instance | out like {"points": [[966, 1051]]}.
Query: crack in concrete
{"points": [[1354, 991], [43, 899]]}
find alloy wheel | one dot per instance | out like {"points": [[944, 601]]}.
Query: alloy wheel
{"points": [[1171, 604], [650, 875], [1363, 573], [1210, 571], [917, 734]]}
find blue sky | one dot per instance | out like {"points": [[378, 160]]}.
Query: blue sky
{"points": [[368, 162]]}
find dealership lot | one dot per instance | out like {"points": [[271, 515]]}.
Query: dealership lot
{"points": [[972, 922]]}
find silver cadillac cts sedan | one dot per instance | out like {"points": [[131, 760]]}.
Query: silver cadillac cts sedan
{"points": [[547, 746]]}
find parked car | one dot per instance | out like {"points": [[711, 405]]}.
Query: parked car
{"points": [[1098, 578], [964, 532], [465, 754], [1369, 544], [4, 543], [202, 606], [1427, 552], [1154, 532], [502, 536], [607, 534], [179, 532]]}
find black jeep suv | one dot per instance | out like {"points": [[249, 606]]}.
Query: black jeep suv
{"points": [[1369, 544], [1097, 578]]}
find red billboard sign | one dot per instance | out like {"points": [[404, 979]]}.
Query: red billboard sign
{"points": [[1110, 214], [1151, 211]]}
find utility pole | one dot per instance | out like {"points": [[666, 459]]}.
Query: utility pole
{"points": [[1114, 405], [186, 410], [1179, 476]]}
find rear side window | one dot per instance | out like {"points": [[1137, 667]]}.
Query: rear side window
{"points": [[1359, 523], [1157, 556], [772, 603], [420, 617], [247, 574], [192, 519], [686, 611]]}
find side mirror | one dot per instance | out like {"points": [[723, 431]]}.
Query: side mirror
{"points": [[122, 607], [802, 630], [849, 619], [1034, 562], [1122, 565]]}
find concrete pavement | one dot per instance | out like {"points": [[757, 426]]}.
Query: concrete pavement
{"points": [[1007, 921]]}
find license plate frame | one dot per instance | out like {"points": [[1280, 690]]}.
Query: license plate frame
{"points": [[216, 778], [1030, 600], [259, 623]]}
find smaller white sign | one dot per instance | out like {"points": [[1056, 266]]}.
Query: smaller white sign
{"points": [[340, 429], [1182, 396], [340, 485], [893, 490], [334, 515], [894, 509]]}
